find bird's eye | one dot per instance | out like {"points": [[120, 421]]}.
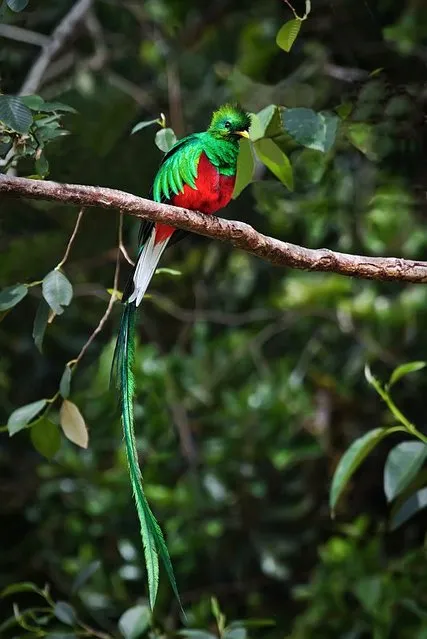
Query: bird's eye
{"points": [[227, 125]]}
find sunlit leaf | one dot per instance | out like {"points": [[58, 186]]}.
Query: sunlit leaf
{"points": [[165, 139], [402, 465], [351, 461], [33, 102], [24, 415], [276, 161], [143, 125], [17, 5], [245, 168], [288, 34], [135, 621], [168, 271], [14, 114], [405, 369], [57, 291], [12, 295], [46, 438], [73, 424]]}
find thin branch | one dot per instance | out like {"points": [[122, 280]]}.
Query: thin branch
{"points": [[238, 234], [55, 43], [110, 305], [11, 32], [71, 240]]}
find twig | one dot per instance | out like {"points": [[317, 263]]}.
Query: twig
{"points": [[121, 245], [71, 240], [110, 305], [23, 35], [238, 234], [55, 43]]}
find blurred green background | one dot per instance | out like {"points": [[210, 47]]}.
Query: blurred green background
{"points": [[249, 378]]}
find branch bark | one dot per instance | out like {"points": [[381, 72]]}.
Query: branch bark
{"points": [[239, 234]]}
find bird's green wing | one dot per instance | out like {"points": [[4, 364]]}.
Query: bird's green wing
{"points": [[179, 167]]}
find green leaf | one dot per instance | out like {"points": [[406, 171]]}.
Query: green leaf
{"points": [[409, 508], [276, 161], [165, 139], [369, 590], [22, 586], [64, 384], [73, 424], [14, 114], [12, 295], [344, 110], [168, 271], [42, 165], [235, 633], [310, 129], [405, 369], [143, 125], [65, 613], [196, 634], [288, 34], [402, 465], [135, 621], [33, 102], [57, 291], [245, 168], [363, 137], [53, 107], [17, 5], [40, 323], [46, 438], [215, 608], [266, 123], [22, 416], [352, 459], [84, 575]]}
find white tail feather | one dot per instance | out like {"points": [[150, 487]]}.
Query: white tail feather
{"points": [[145, 267]]}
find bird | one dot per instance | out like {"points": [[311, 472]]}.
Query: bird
{"points": [[197, 173]]}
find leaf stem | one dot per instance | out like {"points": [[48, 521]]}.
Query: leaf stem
{"points": [[71, 240]]}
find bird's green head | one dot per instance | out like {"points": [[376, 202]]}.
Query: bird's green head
{"points": [[230, 123]]}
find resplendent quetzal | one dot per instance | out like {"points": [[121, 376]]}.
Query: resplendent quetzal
{"points": [[198, 173]]}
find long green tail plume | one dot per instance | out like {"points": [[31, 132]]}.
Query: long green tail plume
{"points": [[151, 533]]}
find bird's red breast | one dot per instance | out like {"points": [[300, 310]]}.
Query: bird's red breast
{"points": [[213, 192]]}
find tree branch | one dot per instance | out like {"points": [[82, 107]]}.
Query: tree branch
{"points": [[240, 235], [54, 44]]}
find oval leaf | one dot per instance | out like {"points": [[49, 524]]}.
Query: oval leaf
{"points": [[24, 415], [46, 438], [12, 295], [143, 125], [310, 129], [33, 102], [73, 424], [409, 508], [288, 34], [402, 465], [40, 323], [276, 161], [64, 384], [14, 114], [245, 168], [405, 369], [165, 139], [42, 166], [135, 621], [351, 460], [57, 291], [65, 613], [17, 5]]}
